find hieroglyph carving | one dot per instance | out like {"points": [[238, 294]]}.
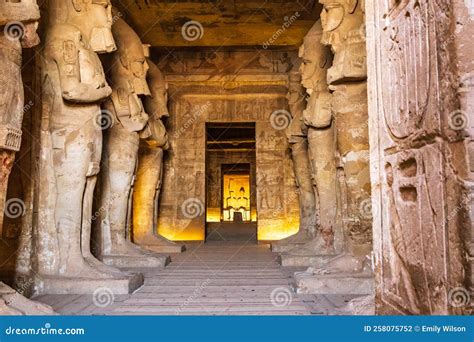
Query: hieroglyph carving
{"points": [[416, 162]]}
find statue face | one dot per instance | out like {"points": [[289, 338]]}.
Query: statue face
{"points": [[314, 57], [295, 90], [138, 68], [160, 96], [95, 20], [339, 18], [157, 104], [26, 12], [343, 31]]}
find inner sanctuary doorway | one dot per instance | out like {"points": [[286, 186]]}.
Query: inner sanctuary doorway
{"points": [[231, 212], [213, 157]]}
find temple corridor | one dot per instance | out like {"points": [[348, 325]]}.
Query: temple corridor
{"points": [[224, 157], [214, 278]]}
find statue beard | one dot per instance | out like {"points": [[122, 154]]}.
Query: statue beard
{"points": [[102, 40], [140, 87]]}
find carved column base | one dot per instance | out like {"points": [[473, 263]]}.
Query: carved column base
{"points": [[159, 244], [129, 261], [290, 260], [332, 284], [13, 303], [291, 242], [126, 284], [360, 306]]}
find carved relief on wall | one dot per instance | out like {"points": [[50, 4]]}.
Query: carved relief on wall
{"points": [[190, 111], [418, 202], [408, 53], [217, 64]]}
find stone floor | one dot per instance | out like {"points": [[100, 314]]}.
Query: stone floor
{"points": [[215, 278]]}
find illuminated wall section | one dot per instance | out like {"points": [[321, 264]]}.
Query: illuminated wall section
{"points": [[211, 92]]}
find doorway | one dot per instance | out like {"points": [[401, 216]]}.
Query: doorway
{"points": [[231, 213]]}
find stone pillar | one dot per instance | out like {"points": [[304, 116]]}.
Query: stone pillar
{"points": [[124, 122], [73, 87], [319, 124], [149, 176], [298, 140], [18, 23], [343, 31], [343, 23], [421, 159]]}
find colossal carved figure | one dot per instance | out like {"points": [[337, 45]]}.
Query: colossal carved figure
{"points": [[420, 165], [150, 168], [127, 70], [74, 85], [18, 21], [317, 117], [297, 138], [343, 23]]}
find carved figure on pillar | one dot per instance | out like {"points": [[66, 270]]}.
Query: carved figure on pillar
{"points": [[149, 176], [342, 23], [18, 22], [74, 85], [297, 138], [125, 121], [321, 141]]}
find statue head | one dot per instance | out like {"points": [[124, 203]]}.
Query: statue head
{"points": [[344, 31], [19, 18], [92, 17], [316, 58], [156, 105], [131, 53]]}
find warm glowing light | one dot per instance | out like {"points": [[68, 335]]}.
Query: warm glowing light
{"points": [[182, 232], [271, 230], [236, 196], [213, 215]]}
